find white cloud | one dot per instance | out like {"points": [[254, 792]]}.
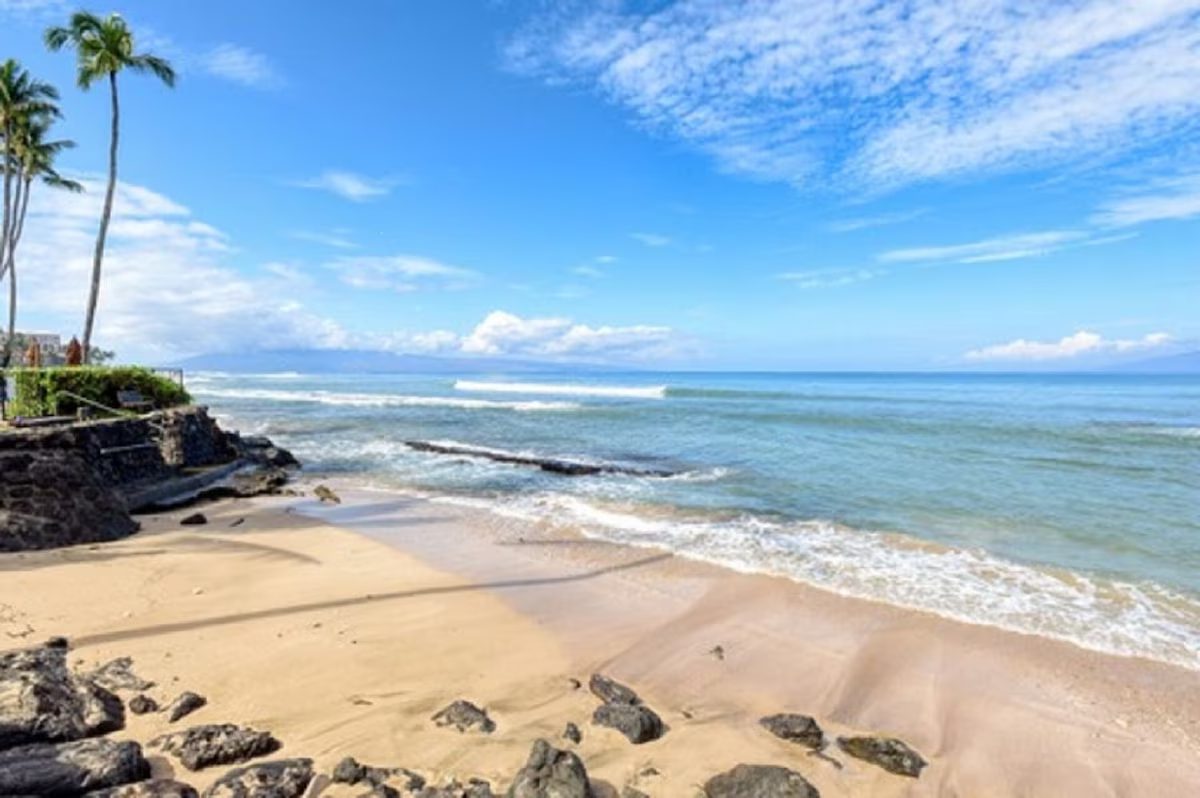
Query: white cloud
{"points": [[587, 271], [336, 239], [1013, 247], [401, 273], [502, 333], [651, 239], [883, 93], [1172, 198], [829, 278], [348, 185], [241, 65], [1083, 342], [606, 259]]}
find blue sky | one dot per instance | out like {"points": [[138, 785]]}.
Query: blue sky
{"points": [[779, 185]]}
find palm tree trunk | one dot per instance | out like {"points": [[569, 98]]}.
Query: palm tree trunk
{"points": [[98, 258], [7, 215], [20, 208]]}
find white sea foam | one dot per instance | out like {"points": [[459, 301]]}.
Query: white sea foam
{"points": [[967, 585], [565, 389], [378, 399]]}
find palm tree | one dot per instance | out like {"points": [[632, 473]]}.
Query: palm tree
{"points": [[32, 159], [104, 47]]}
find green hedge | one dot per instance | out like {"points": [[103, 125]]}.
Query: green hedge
{"points": [[41, 392]]}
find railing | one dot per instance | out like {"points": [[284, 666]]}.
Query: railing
{"points": [[175, 375], [113, 410]]}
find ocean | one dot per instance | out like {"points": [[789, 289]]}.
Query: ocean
{"points": [[1059, 505]]}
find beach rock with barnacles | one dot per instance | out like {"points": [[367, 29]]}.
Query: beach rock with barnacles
{"points": [[41, 701], [759, 781], [216, 744], [463, 715], [282, 778], [888, 753], [637, 722], [70, 768], [551, 773], [185, 704], [155, 788], [795, 728]]}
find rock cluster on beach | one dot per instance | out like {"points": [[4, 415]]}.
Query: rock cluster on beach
{"points": [[624, 711]]}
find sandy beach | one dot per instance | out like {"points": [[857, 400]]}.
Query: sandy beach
{"points": [[343, 629]]}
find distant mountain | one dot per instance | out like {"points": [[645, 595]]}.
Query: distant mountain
{"points": [[360, 361], [1185, 363]]}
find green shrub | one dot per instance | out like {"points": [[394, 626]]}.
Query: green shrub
{"points": [[43, 392]]}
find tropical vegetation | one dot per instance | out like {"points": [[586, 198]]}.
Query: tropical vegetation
{"points": [[58, 391]]}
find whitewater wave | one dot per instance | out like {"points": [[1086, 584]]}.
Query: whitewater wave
{"points": [[565, 389], [1124, 618], [379, 400]]}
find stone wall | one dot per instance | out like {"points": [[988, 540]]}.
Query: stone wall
{"points": [[191, 439]]}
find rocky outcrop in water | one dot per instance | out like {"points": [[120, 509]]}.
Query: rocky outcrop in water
{"points": [[795, 728], [888, 753], [68, 769], [551, 773], [283, 778], [41, 701], [216, 744], [570, 468], [759, 781]]}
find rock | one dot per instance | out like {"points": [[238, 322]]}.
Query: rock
{"points": [[551, 773], [257, 482], [569, 468], [142, 704], [185, 704], [759, 781], [155, 788], [283, 778], [889, 753], [72, 768], [573, 734], [795, 728], [326, 495], [611, 692], [638, 723], [57, 642], [259, 449], [195, 519], [474, 788], [464, 715], [117, 674], [41, 701], [351, 771], [216, 744]]}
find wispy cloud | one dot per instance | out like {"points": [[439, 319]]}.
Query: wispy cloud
{"points": [[864, 222], [503, 333], [241, 65], [1013, 247], [1171, 198], [336, 239], [881, 94], [1083, 342], [587, 271], [401, 273], [349, 185], [651, 239], [829, 278]]}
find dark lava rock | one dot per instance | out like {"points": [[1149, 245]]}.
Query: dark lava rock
{"points": [[57, 641], [795, 728], [118, 675], [889, 753], [216, 744], [551, 773], [155, 788], [245, 484], [474, 788], [195, 519], [185, 704], [41, 701], [351, 771], [62, 769], [611, 692], [638, 723], [554, 465], [759, 781], [142, 705], [283, 778], [573, 733], [259, 449], [464, 715]]}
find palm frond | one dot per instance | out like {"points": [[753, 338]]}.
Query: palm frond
{"points": [[159, 67]]}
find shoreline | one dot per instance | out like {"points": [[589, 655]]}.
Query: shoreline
{"points": [[437, 606]]}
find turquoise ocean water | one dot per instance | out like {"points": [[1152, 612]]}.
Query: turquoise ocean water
{"points": [[1061, 505]]}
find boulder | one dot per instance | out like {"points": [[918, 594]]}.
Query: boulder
{"points": [[637, 722], [155, 788], [118, 674], [463, 715], [41, 701], [351, 771], [184, 704], [888, 753], [283, 778], [796, 729], [195, 519], [551, 773], [759, 781], [216, 744], [72, 768], [610, 691], [142, 704]]}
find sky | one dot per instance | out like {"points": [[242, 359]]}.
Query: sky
{"points": [[784, 184]]}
